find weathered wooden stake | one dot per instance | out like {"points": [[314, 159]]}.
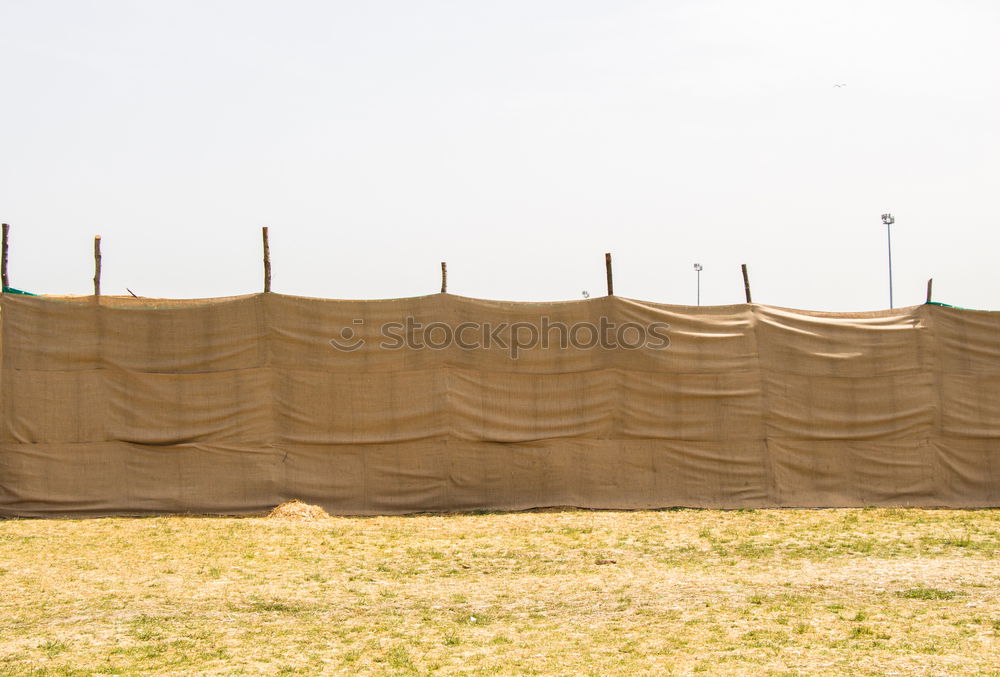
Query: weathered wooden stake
{"points": [[97, 265], [611, 283], [267, 261], [930, 287], [746, 283], [3, 258], [444, 277]]}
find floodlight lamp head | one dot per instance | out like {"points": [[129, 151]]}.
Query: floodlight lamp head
{"points": [[698, 267], [888, 219], [586, 294]]}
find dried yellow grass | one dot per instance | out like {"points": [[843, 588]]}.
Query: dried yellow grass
{"points": [[677, 592], [297, 511]]}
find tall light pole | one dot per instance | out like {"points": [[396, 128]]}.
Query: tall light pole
{"points": [[697, 270], [888, 220]]}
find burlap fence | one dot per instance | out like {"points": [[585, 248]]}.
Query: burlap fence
{"points": [[440, 403]]}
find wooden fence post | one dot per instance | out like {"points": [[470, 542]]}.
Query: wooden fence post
{"points": [[444, 277], [930, 287], [607, 265], [746, 283], [267, 261], [97, 265], [3, 258]]}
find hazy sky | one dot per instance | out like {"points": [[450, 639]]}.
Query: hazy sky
{"points": [[517, 140]]}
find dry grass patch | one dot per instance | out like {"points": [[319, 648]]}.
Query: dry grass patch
{"points": [[297, 511], [785, 592]]}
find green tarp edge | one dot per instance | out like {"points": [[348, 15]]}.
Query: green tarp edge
{"points": [[948, 305]]}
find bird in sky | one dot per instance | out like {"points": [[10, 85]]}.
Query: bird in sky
{"points": [[842, 84]]}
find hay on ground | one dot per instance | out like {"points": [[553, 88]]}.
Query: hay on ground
{"points": [[298, 511]]}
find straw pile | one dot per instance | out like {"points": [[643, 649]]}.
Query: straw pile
{"points": [[297, 511]]}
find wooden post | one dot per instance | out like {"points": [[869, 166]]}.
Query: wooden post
{"points": [[267, 261], [3, 258], [444, 277], [746, 283], [930, 287], [607, 265], [97, 265]]}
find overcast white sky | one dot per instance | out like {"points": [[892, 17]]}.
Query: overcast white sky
{"points": [[517, 140]]}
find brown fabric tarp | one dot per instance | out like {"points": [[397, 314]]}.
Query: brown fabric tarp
{"points": [[125, 406]]}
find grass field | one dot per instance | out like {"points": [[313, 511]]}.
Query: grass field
{"points": [[784, 592]]}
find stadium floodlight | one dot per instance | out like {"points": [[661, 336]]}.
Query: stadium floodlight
{"points": [[697, 269], [888, 220]]}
